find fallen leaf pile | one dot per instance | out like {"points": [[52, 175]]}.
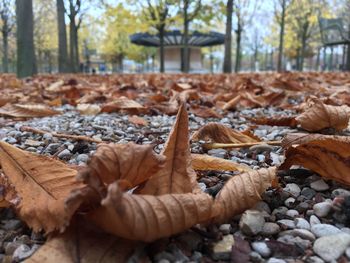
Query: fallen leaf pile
{"points": [[128, 194], [208, 95]]}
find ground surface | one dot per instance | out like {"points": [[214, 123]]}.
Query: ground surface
{"points": [[301, 222]]}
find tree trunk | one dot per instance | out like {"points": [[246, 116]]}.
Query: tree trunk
{"points": [[63, 64], [318, 59], [120, 63], [186, 61], [331, 60], [72, 47], [5, 59], [348, 59], [228, 38], [161, 49], [26, 64], [238, 48], [280, 48], [324, 58], [76, 47]]}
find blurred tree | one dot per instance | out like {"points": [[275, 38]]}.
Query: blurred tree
{"points": [[189, 11], [158, 15], [120, 23], [244, 11], [228, 38], [7, 23], [280, 16], [45, 34], [63, 63], [26, 62]]}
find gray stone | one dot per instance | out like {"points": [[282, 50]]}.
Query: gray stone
{"points": [[330, 248], [260, 148], [196, 256], [47, 136], [308, 193], [292, 189], [275, 260], [10, 140], [314, 220], [23, 252], [286, 223], [302, 207], [321, 230], [302, 243], [191, 240], [289, 202], [225, 229], [202, 186], [82, 158], [270, 229], [262, 206], [302, 233], [319, 185], [314, 259], [302, 223], [322, 209], [11, 247], [221, 153], [280, 210], [251, 222], [255, 257], [11, 224], [292, 213], [347, 252], [261, 248], [52, 148], [345, 230], [340, 192], [65, 154], [222, 249]]}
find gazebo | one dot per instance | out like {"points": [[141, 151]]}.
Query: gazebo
{"points": [[173, 47]]}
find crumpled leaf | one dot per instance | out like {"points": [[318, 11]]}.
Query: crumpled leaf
{"points": [[42, 185], [27, 111], [242, 192], [8, 195], [219, 133], [148, 217], [203, 162], [321, 116], [204, 112], [328, 156], [81, 243], [177, 176], [123, 103], [132, 162], [301, 138], [88, 109]]}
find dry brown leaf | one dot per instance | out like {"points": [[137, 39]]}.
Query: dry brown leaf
{"points": [[81, 243], [327, 156], [242, 192], [276, 121], [219, 133], [301, 138], [132, 162], [8, 194], [177, 176], [321, 116], [4, 100], [27, 111], [123, 103], [203, 162], [42, 183], [88, 109], [148, 217], [205, 112], [136, 120]]}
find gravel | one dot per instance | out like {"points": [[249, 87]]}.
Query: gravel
{"points": [[302, 214]]}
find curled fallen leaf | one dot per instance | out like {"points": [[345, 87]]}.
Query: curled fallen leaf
{"points": [[42, 184], [136, 120], [148, 217], [326, 155], [203, 162], [132, 162], [27, 111], [320, 116], [242, 192], [276, 121], [219, 133]]}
